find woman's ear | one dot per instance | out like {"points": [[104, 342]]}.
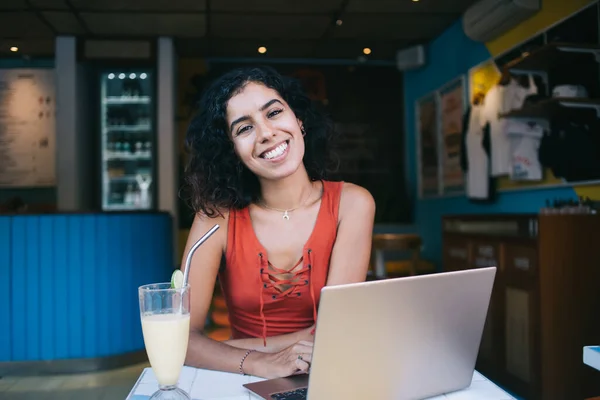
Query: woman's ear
{"points": [[301, 124]]}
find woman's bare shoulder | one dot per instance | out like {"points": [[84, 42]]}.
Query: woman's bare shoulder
{"points": [[203, 223], [356, 199]]}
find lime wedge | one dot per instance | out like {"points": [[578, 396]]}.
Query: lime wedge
{"points": [[177, 279]]}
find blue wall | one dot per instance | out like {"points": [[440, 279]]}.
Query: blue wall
{"points": [[68, 282], [449, 56]]}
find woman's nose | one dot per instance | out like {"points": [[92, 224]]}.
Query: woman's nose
{"points": [[264, 132]]}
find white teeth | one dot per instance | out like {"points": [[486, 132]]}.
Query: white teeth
{"points": [[276, 152]]}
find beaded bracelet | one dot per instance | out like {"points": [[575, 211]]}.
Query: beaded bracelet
{"points": [[242, 361]]}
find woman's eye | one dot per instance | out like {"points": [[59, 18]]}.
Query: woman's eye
{"points": [[243, 129], [274, 113]]}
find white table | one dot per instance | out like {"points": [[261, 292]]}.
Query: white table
{"points": [[203, 384]]}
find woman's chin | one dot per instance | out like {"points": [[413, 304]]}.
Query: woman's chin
{"points": [[278, 172]]}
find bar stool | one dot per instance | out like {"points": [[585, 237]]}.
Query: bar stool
{"points": [[394, 242]]}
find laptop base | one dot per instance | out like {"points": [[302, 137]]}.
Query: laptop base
{"points": [[266, 389]]}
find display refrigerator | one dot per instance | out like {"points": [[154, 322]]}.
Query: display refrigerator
{"points": [[128, 136]]}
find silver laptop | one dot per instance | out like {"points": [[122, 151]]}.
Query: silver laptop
{"points": [[404, 338]]}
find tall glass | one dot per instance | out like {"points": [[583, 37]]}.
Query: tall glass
{"points": [[165, 315]]}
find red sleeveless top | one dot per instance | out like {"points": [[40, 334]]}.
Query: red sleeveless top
{"points": [[256, 305]]}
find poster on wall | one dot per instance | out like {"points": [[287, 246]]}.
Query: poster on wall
{"points": [[428, 146], [27, 128], [452, 108]]}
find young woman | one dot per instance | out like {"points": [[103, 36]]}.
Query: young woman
{"points": [[258, 161]]}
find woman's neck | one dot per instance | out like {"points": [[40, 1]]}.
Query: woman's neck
{"points": [[288, 193]]}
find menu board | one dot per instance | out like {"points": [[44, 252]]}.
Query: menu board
{"points": [[27, 128], [452, 109]]}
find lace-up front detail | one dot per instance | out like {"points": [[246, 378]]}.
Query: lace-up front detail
{"points": [[264, 300], [272, 282]]}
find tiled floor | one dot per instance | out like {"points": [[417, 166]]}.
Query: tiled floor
{"points": [[107, 385]]}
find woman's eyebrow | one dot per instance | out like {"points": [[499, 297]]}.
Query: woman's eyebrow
{"points": [[247, 117]]}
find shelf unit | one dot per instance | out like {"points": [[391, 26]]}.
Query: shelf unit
{"points": [[127, 141], [550, 62], [554, 54], [545, 61], [545, 109], [127, 100]]}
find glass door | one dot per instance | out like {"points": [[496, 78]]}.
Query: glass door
{"points": [[127, 134]]}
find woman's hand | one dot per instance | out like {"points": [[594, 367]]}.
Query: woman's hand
{"points": [[289, 361], [308, 334]]}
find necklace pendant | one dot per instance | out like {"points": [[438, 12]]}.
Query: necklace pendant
{"points": [[286, 215]]}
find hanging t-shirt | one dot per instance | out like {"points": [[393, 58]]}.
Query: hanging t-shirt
{"points": [[524, 138], [500, 100], [475, 160]]}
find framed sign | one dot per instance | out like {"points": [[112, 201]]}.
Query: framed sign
{"points": [[27, 128], [452, 108]]}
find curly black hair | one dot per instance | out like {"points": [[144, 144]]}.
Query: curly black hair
{"points": [[215, 178]]}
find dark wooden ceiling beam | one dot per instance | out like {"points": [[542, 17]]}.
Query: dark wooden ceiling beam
{"points": [[33, 9], [77, 15], [212, 12], [332, 25]]}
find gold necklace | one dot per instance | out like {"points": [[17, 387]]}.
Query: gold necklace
{"points": [[286, 215]]}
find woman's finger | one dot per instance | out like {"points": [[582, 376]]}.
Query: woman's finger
{"points": [[302, 365], [307, 357]]}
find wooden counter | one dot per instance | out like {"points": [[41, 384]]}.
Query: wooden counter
{"points": [[545, 302]]}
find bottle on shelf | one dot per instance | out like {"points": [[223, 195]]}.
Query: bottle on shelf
{"points": [[126, 148], [129, 195], [118, 146], [138, 148]]}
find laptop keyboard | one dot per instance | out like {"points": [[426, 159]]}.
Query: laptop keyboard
{"points": [[297, 394]]}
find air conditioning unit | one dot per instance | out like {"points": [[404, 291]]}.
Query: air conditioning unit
{"points": [[410, 58], [488, 19]]}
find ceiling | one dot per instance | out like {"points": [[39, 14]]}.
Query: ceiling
{"points": [[233, 28]]}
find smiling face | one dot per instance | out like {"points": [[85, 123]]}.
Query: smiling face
{"points": [[265, 132]]}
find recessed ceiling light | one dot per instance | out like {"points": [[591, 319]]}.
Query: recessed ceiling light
{"points": [[262, 49], [14, 48], [367, 51], [339, 22], [415, 1]]}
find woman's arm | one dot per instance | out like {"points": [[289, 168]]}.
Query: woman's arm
{"points": [[274, 343], [352, 249], [204, 352]]}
